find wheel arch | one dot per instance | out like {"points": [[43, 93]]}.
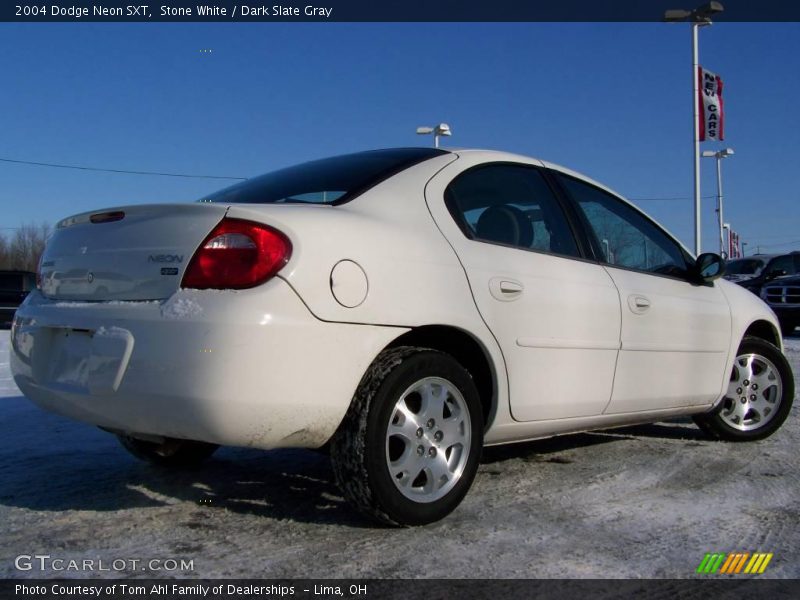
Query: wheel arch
{"points": [[467, 350], [764, 330]]}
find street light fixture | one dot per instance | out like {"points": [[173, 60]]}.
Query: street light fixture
{"points": [[702, 13], [698, 17], [719, 155], [438, 131]]}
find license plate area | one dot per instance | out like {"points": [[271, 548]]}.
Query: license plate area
{"points": [[83, 360], [68, 364]]}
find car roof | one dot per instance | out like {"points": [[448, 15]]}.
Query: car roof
{"points": [[500, 155]]}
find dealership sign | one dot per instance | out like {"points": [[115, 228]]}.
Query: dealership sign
{"points": [[734, 245], [711, 109]]}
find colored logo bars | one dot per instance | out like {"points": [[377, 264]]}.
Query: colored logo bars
{"points": [[734, 563]]}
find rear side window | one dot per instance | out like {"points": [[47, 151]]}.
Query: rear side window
{"points": [[782, 263], [327, 181], [512, 205], [626, 238]]}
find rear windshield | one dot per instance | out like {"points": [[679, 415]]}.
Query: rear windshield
{"points": [[328, 181]]}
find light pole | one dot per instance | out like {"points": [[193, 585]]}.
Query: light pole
{"points": [[719, 155], [438, 131], [698, 17]]}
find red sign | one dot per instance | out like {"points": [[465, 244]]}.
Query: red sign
{"points": [[712, 115], [734, 247]]}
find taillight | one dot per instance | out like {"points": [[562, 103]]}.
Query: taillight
{"points": [[237, 254], [107, 217]]}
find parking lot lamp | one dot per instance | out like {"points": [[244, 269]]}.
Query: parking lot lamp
{"points": [[438, 131], [719, 155]]}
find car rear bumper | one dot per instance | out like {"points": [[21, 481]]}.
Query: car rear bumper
{"points": [[242, 368]]}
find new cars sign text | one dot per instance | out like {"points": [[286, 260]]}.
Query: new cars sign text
{"points": [[711, 107]]}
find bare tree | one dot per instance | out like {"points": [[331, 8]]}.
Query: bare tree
{"points": [[3, 252], [23, 249]]}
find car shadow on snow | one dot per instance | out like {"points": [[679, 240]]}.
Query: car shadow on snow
{"points": [[48, 463], [546, 450], [288, 484], [554, 449], [52, 464], [280, 484], [679, 429]]}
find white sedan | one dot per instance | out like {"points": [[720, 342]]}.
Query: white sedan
{"points": [[402, 307]]}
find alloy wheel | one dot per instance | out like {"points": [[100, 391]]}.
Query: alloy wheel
{"points": [[754, 393], [428, 439]]}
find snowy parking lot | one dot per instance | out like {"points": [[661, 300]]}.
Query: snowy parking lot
{"points": [[645, 501]]}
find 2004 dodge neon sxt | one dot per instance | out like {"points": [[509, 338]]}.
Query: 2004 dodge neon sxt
{"points": [[406, 306]]}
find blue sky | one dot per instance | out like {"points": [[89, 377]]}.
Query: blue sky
{"points": [[611, 100]]}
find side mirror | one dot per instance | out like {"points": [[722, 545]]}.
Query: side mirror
{"points": [[709, 266]]}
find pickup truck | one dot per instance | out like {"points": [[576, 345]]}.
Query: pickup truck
{"points": [[14, 287]]}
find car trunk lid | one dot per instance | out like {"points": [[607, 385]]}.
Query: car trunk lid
{"points": [[125, 253]]}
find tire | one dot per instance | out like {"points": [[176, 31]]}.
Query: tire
{"points": [[408, 448], [763, 378], [169, 453]]}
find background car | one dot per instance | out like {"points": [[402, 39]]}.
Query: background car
{"points": [[754, 271], [404, 307], [14, 287], [783, 297]]}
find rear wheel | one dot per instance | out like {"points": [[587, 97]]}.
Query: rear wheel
{"points": [[170, 452], [759, 396], [408, 448]]}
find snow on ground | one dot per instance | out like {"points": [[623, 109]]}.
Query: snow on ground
{"points": [[637, 502]]}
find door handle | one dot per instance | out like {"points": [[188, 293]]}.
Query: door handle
{"points": [[510, 287], [638, 304], [505, 289]]}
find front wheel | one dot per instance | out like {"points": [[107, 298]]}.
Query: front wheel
{"points": [[759, 396], [407, 451]]}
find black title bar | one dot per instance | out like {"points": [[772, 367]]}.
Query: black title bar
{"points": [[383, 10]]}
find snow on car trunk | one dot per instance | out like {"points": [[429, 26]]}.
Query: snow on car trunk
{"points": [[126, 253]]}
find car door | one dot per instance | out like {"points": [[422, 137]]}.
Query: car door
{"points": [[555, 316], [675, 334]]}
